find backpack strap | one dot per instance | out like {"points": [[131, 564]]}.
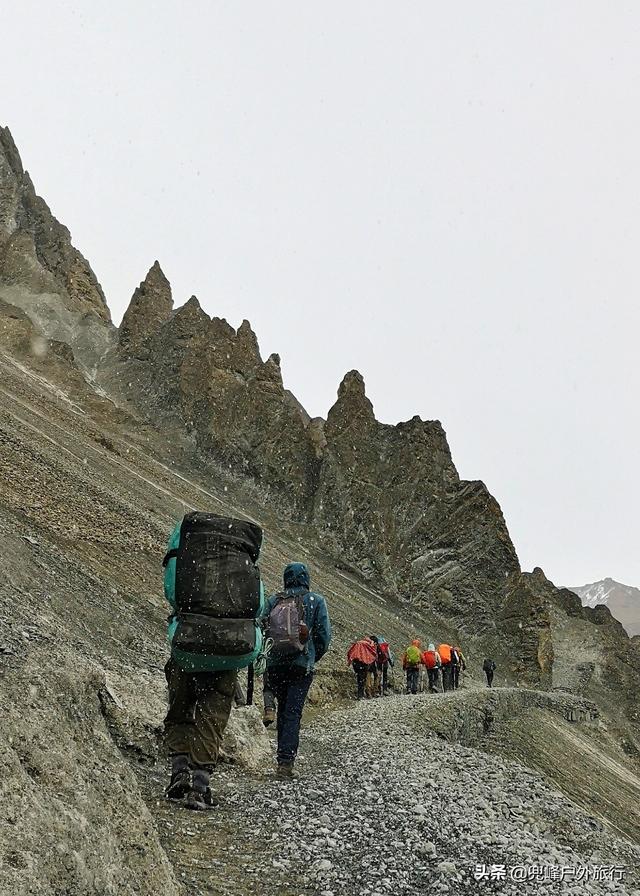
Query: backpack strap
{"points": [[281, 595], [169, 556], [300, 601]]}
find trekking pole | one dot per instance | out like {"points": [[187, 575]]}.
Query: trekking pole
{"points": [[250, 680], [238, 697]]}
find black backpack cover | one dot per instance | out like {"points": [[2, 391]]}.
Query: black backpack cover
{"points": [[218, 593]]}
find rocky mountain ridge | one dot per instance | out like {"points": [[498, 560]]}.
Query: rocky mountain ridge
{"points": [[35, 249], [386, 501], [42, 272], [623, 601]]}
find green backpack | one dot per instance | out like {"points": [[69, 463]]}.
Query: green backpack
{"points": [[413, 655], [212, 583]]}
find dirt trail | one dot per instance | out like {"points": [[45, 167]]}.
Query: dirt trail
{"points": [[365, 817]]}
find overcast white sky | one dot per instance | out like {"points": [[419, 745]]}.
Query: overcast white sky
{"points": [[444, 196]]}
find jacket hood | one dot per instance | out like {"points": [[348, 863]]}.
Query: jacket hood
{"points": [[296, 575], [431, 647], [415, 642]]}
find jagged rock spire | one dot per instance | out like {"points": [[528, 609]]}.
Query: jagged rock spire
{"points": [[10, 152], [270, 371], [247, 340], [150, 306], [27, 224], [352, 404]]}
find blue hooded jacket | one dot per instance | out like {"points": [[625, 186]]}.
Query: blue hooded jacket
{"points": [[316, 616]]}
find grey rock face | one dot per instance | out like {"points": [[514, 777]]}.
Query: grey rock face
{"points": [[150, 306], [390, 499], [203, 374], [35, 249]]}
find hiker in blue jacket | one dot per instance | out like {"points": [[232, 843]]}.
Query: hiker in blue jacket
{"points": [[290, 666]]}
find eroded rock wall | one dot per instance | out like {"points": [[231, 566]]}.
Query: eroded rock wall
{"points": [[35, 248]]}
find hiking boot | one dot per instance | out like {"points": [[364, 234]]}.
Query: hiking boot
{"points": [[201, 802], [180, 783], [200, 797], [268, 717], [285, 770]]}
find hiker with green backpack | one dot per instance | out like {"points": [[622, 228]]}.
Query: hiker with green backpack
{"points": [[212, 583], [411, 661], [299, 632]]}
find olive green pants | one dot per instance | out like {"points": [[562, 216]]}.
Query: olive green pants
{"points": [[199, 708]]}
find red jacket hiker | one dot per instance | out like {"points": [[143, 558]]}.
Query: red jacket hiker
{"points": [[363, 650], [430, 659], [384, 653]]}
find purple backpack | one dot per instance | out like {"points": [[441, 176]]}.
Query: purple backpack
{"points": [[284, 625]]}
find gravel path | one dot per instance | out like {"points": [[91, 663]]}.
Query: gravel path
{"points": [[380, 807]]}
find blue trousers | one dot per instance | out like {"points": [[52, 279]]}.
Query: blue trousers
{"points": [[413, 679], [290, 685]]}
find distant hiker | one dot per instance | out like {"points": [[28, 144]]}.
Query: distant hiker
{"points": [[431, 662], [489, 667], [361, 656], [411, 661], [455, 659], [384, 662], [214, 589], [459, 665], [454, 664], [297, 622], [371, 684], [447, 670]]}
